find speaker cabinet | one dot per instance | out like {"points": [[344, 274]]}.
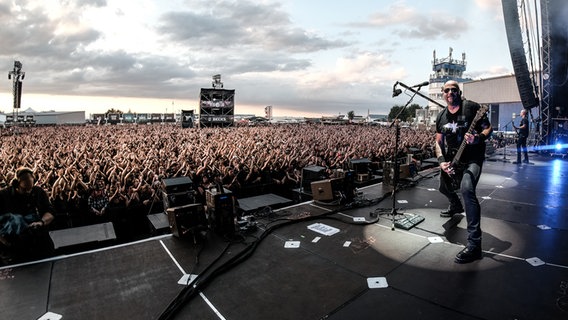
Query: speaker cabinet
{"points": [[176, 185], [311, 174], [185, 221], [388, 172], [360, 166], [349, 185], [177, 192], [221, 211], [171, 200], [322, 190]]}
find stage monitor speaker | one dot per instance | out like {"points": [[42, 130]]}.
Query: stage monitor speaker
{"points": [[311, 174], [185, 221], [322, 190], [177, 184]]}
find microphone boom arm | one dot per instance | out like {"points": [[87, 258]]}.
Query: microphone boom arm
{"points": [[418, 93]]}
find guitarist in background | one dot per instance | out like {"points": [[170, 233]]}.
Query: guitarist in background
{"points": [[522, 135], [452, 125]]}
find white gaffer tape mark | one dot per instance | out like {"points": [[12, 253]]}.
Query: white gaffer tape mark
{"points": [[435, 239], [50, 316], [292, 244], [377, 282], [535, 262]]}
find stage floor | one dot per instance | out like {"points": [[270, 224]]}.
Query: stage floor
{"points": [[351, 267]]}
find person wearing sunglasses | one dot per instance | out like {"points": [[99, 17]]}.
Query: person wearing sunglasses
{"points": [[452, 125]]}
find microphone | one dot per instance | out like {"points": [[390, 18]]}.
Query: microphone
{"points": [[514, 115], [395, 92], [425, 83]]}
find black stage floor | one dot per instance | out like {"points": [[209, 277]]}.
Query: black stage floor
{"points": [[358, 269]]}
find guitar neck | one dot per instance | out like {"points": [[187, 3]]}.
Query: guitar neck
{"points": [[458, 155]]}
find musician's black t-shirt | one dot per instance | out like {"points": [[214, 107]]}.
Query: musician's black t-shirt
{"points": [[454, 126], [524, 133]]}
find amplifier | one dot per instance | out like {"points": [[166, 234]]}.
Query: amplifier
{"points": [[322, 190], [212, 196], [186, 221], [311, 174], [222, 214], [176, 185], [171, 200]]}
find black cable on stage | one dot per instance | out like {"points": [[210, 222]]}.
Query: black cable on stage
{"points": [[49, 286], [201, 282], [184, 295]]}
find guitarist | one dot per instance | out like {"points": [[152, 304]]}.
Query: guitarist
{"points": [[452, 125], [522, 135]]}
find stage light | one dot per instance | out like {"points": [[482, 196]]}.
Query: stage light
{"points": [[558, 146]]}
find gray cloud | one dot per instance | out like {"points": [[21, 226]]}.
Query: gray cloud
{"points": [[409, 23], [242, 24]]}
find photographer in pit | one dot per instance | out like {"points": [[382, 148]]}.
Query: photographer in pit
{"points": [[25, 213]]}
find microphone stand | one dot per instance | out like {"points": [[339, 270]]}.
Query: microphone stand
{"points": [[394, 161], [505, 141], [396, 173]]}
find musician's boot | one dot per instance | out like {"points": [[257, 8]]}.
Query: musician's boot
{"points": [[452, 209], [469, 254]]}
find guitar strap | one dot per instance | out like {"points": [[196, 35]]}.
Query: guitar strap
{"points": [[467, 113]]}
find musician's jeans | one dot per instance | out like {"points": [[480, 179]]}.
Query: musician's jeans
{"points": [[469, 182], [522, 146]]}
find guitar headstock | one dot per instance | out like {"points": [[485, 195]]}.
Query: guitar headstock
{"points": [[482, 111]]}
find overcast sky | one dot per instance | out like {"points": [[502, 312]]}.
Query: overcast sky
{"points": [[303, 57]]}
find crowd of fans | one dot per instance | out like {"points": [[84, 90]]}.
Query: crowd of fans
{"points": [[102, 173]]}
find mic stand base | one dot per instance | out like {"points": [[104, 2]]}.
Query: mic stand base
{"points": [[405, 221]]}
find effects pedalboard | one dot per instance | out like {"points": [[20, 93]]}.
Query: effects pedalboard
{"points": [[246, 224], [408, 221]]}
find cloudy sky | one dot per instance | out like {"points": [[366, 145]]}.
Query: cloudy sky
{"points": [[303, 57]]}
